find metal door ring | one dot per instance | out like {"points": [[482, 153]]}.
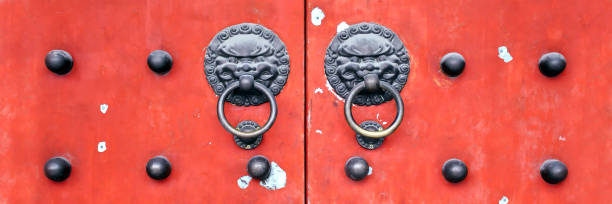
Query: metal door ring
{"points": [[374, 134], [235, 131]]}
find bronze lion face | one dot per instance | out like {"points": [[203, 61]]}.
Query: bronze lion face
{"points": [[363, 49], [246, 49]]}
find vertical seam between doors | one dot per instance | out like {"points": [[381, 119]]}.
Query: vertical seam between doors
{"points": [[305, 7]]}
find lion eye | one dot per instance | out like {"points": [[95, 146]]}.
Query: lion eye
{"points": [[349, 75], [265, 75], [388, 71], [232, 60], [226, 75], [342, 60], [260, 59], [355, 59]]}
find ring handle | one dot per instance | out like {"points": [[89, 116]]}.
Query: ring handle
{"points": [[234, 131], [374, 134]]}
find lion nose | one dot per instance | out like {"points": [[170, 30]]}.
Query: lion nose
{"points": [[246, 67], [369, 66]]}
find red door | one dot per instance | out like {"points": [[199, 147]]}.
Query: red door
{"points": [[500, 116], [110, 114], [454, 102]]}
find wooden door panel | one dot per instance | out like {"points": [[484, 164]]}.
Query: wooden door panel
{"points": [[503, 119], [45, 115]]}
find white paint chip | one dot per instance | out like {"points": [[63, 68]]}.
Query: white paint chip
{"points": [[341, 27], [101, 146], [370, 171], [103, 108], [504, 200], [243, 182], [319, 90], [561, 138], [331, 89], [277, 178], [319, 131], [316, 16], [504, 54]]}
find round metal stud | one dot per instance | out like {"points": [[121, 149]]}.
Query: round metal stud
{"points": [[552, 64], [259, 167], [59, 62], [159, 168], [454, 170], [452, 64], [57, 169], [553, 171], [159, 61], [356, 168]]}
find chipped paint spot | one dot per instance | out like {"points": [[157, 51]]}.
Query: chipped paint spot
{"points": [[316, 16], [503, 200], [370, 171], [504, 54], [329, 87], [209, 143], [318, 90], [243, 182], [277, 178], [379, 120], [442, 82], [319, 131], [101, 146], [561, 138], [103, 108], [343, 25]]}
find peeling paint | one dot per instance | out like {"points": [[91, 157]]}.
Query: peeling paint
{"points": [[318, 90], [504, 54], [277, 178], [319, 131], [101, 146], [243, 182], [504, 200], [316, 16], [561, 138], [343, 25], [379, 120], [329, 87], [370, 171], [103, 108]]}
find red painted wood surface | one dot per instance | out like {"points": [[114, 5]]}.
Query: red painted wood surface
{"points": [[502, 119], [44, 115]]}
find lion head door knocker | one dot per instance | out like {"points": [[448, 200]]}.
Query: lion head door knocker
{"points": [[246, 64], [367, 64]]}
